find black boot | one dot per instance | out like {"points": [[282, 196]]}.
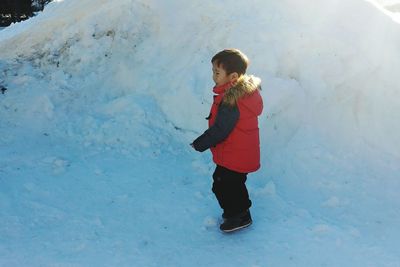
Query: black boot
{"points": [[236, 222]]}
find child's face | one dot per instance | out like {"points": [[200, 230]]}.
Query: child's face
{"points": [[219, 75]]}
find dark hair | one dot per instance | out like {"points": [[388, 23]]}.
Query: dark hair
{"points": [[231, 60]]}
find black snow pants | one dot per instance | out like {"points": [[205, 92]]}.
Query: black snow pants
{"points": [[230, 190]]}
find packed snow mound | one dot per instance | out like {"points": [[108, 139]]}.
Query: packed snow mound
{"points": [[67, 60], [326, 67]]}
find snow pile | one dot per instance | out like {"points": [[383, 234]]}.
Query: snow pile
{"points": [[328, 62], [134, 76], [73, 70]]}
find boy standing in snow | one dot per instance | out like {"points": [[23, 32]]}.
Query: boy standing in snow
{"points": [[233, 135]]}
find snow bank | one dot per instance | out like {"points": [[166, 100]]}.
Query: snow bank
{"points": [[342, 61]]}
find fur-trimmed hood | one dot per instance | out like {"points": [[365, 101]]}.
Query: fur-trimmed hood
{"points": [[245, 86]]}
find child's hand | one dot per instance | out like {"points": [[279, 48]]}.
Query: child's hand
{"points": [[192, 145]]}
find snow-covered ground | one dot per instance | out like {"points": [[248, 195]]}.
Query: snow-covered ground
{"points": [[104, 97]]}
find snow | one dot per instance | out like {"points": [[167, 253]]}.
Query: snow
{"points": [[389, 7], [104, 97]]}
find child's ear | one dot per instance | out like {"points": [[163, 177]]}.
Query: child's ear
{"points": [[234, 76]]}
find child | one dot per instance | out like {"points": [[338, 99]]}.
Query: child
{"points": [[233, 135]]}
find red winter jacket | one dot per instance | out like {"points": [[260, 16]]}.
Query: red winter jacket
{"points": [[240, 151]]}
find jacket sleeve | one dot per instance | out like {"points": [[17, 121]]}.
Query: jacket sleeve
{"points": [[225, 121]]}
